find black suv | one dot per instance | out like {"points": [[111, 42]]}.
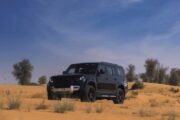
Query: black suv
{"points": [[90, 81]]}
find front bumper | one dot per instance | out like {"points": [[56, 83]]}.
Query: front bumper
{"points": [[70, 90]]}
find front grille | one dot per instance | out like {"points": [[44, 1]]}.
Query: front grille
{"points": [[65, 81]]}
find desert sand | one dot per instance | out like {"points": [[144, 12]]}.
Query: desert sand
{"points": [[153, 102]]}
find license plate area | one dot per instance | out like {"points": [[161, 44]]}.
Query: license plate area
{"points": [[61, 89]]}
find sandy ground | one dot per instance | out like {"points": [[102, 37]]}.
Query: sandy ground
{"points": [[154, 102]]}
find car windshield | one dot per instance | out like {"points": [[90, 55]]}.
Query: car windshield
{"points": [[89, 68]]}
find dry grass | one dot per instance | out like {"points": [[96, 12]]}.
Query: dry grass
{"points": [[37, 95], [99, 109], [41, 106], [146, 112], [132, 94], [147, 103], [153, 103], [169, 116], [174, 90], [64, 107], [14, 102]]}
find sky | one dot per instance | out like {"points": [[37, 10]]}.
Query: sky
{"points": [[55, 33]]}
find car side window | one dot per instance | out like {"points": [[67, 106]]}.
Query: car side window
{"points": [[122, 72], [119, 71], [102, 67], [109, 70], [71, 71], [114, 71]]}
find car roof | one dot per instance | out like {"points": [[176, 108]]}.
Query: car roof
{"points": [[105, 63]]}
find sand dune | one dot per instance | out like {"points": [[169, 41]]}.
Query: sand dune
{"points": [[154, 102]]}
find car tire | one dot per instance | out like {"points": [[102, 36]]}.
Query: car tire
{"points": [[89, 94], [119, 99]]}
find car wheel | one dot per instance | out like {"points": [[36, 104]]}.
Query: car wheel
{"points": [[119, 99], [89, 95]]}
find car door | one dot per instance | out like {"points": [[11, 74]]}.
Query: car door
{"points": [[102, 79], [111, 79]]}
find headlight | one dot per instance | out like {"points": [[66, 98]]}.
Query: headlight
{"points": [[82, 78]]}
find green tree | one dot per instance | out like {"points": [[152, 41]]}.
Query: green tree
{"points": [[22, 71], [161, 76], [42, 79], [131, 76], [151, 70], [174, 77]]}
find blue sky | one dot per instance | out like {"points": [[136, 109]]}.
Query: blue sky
{"points": [[55, 33]]}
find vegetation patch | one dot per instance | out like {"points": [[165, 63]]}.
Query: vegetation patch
{"points": [[153, 103], [144, 112], [13, 102], [169, 116], [174, 90], [64, 107], [132, 94], [137, 85], [99, 109]]}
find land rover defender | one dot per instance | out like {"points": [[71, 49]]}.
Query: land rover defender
{"points": [[89, 81]]}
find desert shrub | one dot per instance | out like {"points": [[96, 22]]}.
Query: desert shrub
{"points": [[37, 95], [41, 105], [63, 107], [137, 85], [153, 103], [169, 116], [42, 80], [32, 84], [99, 109], [13, 102], [146, 112], [174, 90], [132, 94]]}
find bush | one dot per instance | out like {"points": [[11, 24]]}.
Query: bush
{"points": [[174, 90], [137, 85], [63, 107], [42, 80], [32, 84], [14, 103], [132, 94]]}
